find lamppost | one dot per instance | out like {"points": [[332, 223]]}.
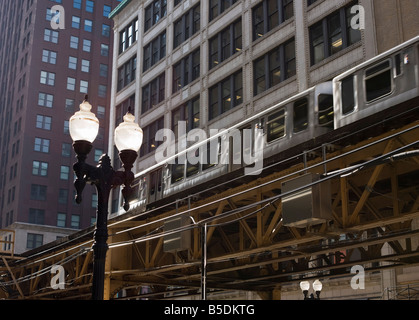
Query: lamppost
{"points": [[84, 127], [317, 287]]}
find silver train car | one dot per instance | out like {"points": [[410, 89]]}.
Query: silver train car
{"points": [[386, 80], [372, 87]]}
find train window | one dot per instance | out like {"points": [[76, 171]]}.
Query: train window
{"points": [[348, 95], [378, 81], [177, 171], [276, 126], [325, 102], [192, 169], [212, 155], [300, 115]]}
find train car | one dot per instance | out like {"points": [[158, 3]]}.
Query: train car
{"points": [[248, 143], [386, 80]]}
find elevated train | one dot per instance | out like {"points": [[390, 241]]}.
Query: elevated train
{"points": [[325, 110]]}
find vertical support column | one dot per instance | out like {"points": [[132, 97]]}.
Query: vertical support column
{"points": [[204, 262]]}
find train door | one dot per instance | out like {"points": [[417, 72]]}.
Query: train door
{"points": [[155, 186]]}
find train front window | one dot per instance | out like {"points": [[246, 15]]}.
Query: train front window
{"points": [[276, 125], [300, 115], [378, 81], [348, 95], [326, 112]]}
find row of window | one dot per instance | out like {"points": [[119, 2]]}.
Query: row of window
{"points": [[327, 37], [52, 36]]}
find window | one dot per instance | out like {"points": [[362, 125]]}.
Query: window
{"points": [[63, 196], [190, 113], [47, 78], [72, 63], [300, 115], [325, 102], [90, 5], [128, 35], [275, 126], [84, 86], [77, 4], [348, 95], [378, 81], [186, 70], [106, 30], [85, 65], [69, 105], [106, 11], [66, 150], [104, 50], [49, 56], [75, 22], [274, 67], [217, 7], [98, 154], [34, 240], [43, 122], [100, 112], [38, 192], [150, 144], [94, 200], [45, 100], [74, 42], [103, 70], [154, 51], [187, 26], [88, 25], [36, 216], [41, 145], [39, 168], [102, 90], [332, 34], [154, 13], [225, 44], [52, 15], [269, 14], [71, 84], [61, 219], [226, 95], [122, 108], [87, 45], [153, 93], [64, 172], [75, 221], [66, 127], [126, 73]]}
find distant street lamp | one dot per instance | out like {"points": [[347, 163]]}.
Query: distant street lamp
{"points": [[317, 287], [84, 127]]}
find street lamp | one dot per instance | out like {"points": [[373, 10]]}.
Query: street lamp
{"points": [[317, 287], [84, 127]]}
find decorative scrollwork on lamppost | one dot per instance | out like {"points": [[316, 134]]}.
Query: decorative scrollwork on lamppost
{"points": [[128, 137]]}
